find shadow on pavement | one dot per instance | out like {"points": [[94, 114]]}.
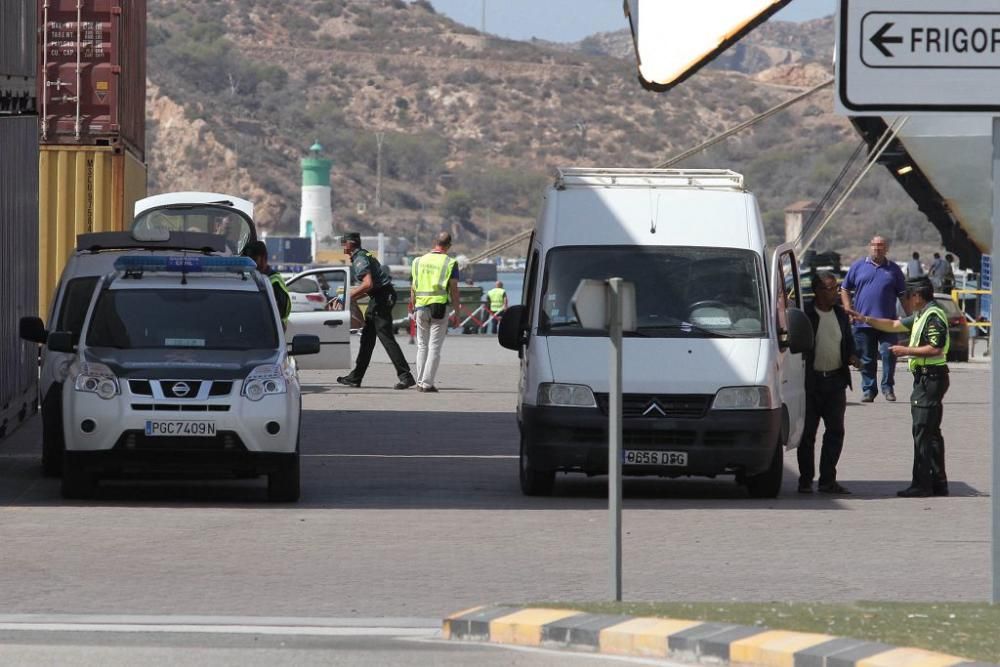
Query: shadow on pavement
{"points": [[426, 461]]}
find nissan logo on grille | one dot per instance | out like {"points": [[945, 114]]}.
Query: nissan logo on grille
{"points": [[181, 389]]}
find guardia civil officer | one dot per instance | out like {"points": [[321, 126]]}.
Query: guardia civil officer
{"points": [[376, 283], [257, 251], [928, 351]]}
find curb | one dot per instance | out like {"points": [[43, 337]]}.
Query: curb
{"points": [[691, 641]]}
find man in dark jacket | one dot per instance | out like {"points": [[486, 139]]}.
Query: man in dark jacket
{"points": [[828, 376]]}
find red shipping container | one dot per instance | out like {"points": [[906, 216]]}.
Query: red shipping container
{"points": [[92, 72]]}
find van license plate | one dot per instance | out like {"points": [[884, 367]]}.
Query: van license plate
{"points": [[647, 458], [176, 427]]}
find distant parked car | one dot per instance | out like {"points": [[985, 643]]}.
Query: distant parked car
{"points": [[306, 294], [958, 328]]}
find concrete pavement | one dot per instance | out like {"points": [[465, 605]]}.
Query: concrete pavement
{"points": [[411, 507]]}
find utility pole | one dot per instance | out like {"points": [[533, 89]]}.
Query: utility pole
{"points": [[379, 138]]}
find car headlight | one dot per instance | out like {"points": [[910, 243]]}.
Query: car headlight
{"points": [[742, 398], [95, 379], [566, 395], [264, 380]]}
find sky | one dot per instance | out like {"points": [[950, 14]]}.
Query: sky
{"points": [[572, 20]]}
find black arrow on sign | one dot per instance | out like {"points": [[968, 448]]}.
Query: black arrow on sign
{"points": [[879, 39]]}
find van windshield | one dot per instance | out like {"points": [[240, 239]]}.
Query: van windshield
{"points": [[135, 319], [206, 218], [681, 292]]}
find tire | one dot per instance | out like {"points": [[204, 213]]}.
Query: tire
{"points": [[768, 483], [534, 482], [283, 482], [77, 484], [53, 441]]}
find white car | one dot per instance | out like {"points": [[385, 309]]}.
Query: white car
{"points": [[207, 222], [307, 295], [182, 367]]}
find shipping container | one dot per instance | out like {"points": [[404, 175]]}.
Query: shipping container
{"points": [[288, 250], [81, 190], [19, 269], [17, 56], [92, 81]]}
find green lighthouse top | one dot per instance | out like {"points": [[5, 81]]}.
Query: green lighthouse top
{"points": [[315, 169]]}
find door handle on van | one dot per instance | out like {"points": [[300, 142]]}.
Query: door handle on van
{"points": [[333, 323]]}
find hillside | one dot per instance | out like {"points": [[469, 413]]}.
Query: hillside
{"points": [[473, 125]]}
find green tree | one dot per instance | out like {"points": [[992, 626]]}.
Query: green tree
{"points": [[457, 208]]}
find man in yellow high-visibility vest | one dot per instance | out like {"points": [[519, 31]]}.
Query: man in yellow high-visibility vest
{"points": [[434, 282], [928, 352], [498, 304]]}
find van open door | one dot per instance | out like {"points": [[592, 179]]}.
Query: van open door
{"points": [[787, 294], [332, 326]]}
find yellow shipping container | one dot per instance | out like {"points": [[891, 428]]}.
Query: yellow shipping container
{"points": [[81, 189]]}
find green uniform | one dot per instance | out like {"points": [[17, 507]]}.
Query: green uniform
{"points": [[281, 295], [929, 326]]}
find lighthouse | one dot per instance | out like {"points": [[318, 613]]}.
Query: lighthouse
{"points": [[316, 218]]}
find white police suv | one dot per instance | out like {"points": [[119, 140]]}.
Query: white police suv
{"points": [[182, 367]]}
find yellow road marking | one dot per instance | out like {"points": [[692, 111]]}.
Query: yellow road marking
{"points": [[642, 636], [775, 648], [525, 627]]}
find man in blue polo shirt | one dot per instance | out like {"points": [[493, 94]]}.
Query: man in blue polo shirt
{"points": [[877, 284]]}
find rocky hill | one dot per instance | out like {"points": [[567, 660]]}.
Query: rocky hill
{"points": [[473, 125]]}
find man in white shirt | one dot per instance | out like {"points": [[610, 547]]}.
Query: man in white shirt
{"points": [[913, 267], [827, 378]]}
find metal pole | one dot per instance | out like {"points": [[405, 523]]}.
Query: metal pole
{"points": [[996, 375], [615, 436]]}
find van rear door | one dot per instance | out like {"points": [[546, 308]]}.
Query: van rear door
{"points": [[785, 294]]}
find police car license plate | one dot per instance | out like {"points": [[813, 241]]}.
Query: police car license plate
{"points": [[647, 458], [176, 427]]}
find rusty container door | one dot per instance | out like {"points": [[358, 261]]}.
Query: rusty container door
{"points": [[92, 80], [17, 57], [81, 190], [19, 269]]}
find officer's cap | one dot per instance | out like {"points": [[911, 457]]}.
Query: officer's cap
{"points": [[351, 237], [918, 284]]}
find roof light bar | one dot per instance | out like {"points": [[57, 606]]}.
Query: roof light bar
{"points": [[185, 264]]}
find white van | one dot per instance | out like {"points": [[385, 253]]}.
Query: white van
{"points": [[713, 377]]}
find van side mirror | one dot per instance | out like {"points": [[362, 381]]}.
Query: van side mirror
{"points": [[512, 333], [61, 341], [32, 329], [799, 337], [304, 344]]}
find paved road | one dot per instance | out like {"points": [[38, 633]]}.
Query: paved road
{"points": [[411, 508]]}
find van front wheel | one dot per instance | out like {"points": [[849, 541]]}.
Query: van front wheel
{"points": [[768, 483], [534, 482]]}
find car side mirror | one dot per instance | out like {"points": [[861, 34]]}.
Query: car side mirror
{"points": [[304, 344], [799, 337], [33, 329], [512, 333], [61, 341]]}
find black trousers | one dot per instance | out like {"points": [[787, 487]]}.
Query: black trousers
{"points": [[827, 401], [928, 443], [378, 324]]}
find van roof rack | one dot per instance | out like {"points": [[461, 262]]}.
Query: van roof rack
{"points": [[709, 179]]}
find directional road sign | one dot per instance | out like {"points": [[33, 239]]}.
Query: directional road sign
{"points": [[912, 56]]}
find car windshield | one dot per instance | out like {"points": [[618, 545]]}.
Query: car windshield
{"points": [[206, 218], [681, 292], [134, 319]]}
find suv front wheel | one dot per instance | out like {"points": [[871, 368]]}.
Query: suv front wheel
{"points": [[52, 432], [283, 481]]}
